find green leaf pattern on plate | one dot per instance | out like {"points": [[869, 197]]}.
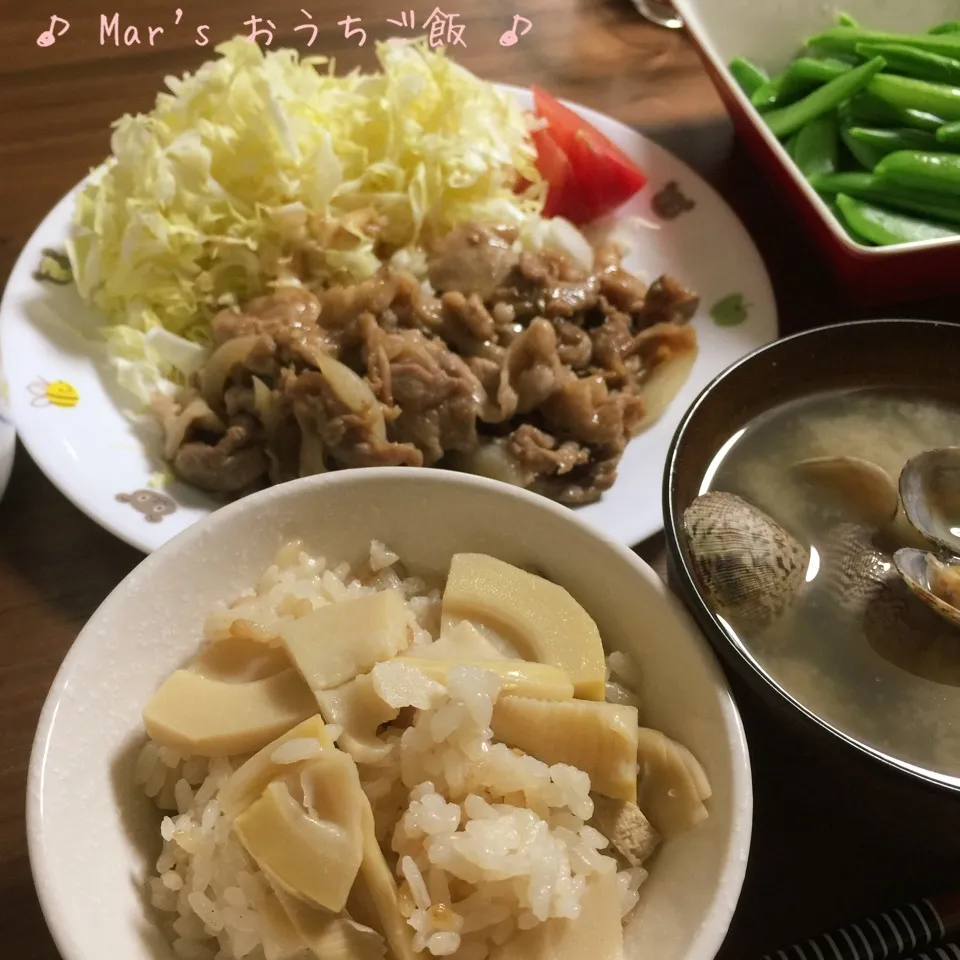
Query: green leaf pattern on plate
{"points": [[730, 311]]}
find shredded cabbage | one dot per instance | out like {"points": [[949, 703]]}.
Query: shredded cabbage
{"points": [[261, 168]]}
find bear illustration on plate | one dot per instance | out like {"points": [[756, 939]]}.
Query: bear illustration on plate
{"points": [[154, 506]]}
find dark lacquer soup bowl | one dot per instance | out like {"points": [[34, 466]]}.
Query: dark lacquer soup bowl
{"points": [[809, 500]]}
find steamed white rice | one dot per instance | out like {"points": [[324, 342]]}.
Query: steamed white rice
{"points": [[485, 840]]}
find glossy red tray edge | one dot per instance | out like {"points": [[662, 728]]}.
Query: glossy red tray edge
{"points": [[867, 279]]}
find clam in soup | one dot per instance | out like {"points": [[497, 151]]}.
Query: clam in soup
{"points": [[826, 537]]}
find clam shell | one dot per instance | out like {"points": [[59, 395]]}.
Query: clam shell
{"points": [[750, 568], [936, 583], [909, 634], [930, 491], [860, 489], [854, 568], [862, 583]]}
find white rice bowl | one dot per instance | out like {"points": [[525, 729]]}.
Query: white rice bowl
{"points": [[506, 831], [444, 815]]}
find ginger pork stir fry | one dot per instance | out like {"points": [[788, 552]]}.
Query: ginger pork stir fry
{"points": [[518, 365]]}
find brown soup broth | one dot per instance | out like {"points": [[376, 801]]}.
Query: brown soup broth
{"points": [[895, 690]]}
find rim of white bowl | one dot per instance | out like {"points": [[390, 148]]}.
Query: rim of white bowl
{"points": [[716, 924]]}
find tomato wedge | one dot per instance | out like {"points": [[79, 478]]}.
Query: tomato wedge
{"points": [[597, 177], [565, 196]]}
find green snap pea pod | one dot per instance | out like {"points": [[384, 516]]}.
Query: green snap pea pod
{"points": [[886, 228], [844, 40], [791, 146], [817, 146], [866, 155], [911, 62], [845, 20], [867, 110], [813, 70], [823, 100], [935, 172], [748, 75], [936, 98], [800, 78], [949, 136], [831, 203], [890, 141], [778, 91], [842, 220], [869, 187], [837, 56], [852, 183], [951, 26]]}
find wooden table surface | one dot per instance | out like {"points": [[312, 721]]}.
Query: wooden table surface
{"points": [[815, 860]]}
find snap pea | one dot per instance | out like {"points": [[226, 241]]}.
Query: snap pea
{"points": [[823, 100], [800, 78], [935, 172], [778, 91], [833, 183], [791, 146], [890, 141], [867, 110], [865, 154], [813, 71], [748, 75], [817, 146], [842, 220], [845, 20], [911, 62], [886, 228], [905, 92], [845, 40], [869, 187], [949, 136], [819, 69], [951, 26], [831, 203], [850, 58]]}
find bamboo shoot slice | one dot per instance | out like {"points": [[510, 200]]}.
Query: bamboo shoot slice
{"points": [[340, 641], [314, 858], [287, 942], [598, 738], [358, 710], [378, 886], [597, 933], [522, 678], [209, 718], [539, 617], [668, 794], [460, 640], [240, 660], [700, 778], [332, 937], [248, 782]]}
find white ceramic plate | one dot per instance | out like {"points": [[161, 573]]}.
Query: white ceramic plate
{"points": [[8, 436], [73, 428]]}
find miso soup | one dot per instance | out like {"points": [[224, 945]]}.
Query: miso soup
{"points": [[846, 656]]}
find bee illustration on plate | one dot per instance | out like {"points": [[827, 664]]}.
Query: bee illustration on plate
{"points": [[59, 393], [54, 267], [154, 506]]}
